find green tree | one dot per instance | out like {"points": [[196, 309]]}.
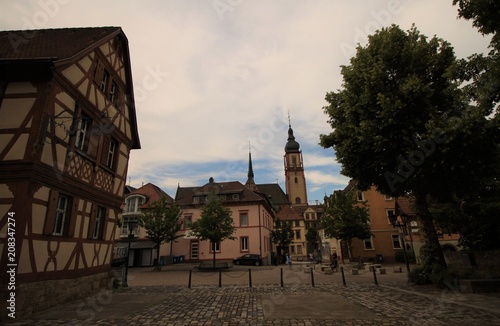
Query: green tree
{"points": [[484, 15], [312, 239], [215, 224], [161, 220], [474, 217], [402, 123], [344, 218], [282, 236]]}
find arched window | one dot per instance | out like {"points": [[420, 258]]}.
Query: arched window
{"points": [[296, 180], [297, 200]]}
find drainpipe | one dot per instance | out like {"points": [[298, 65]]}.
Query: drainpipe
{"points": [[260, 235]]}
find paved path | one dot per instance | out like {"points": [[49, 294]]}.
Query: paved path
{"points": [[163, 298]]}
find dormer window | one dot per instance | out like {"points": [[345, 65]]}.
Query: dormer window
{"points": [[236, 196], [133, 204]]}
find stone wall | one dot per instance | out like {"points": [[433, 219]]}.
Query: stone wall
{"points": [[39, 296], [481, 263]]}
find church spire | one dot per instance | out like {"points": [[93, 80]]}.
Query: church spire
{"points": [[250, 184], [291, 145]]}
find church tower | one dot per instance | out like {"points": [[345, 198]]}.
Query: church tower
{"points": [[294, 171]]}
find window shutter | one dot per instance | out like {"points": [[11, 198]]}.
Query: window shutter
{"points": [[104, 225], [99, 71], [93, 142], [105, 150], [50, 218], [93, 215]]}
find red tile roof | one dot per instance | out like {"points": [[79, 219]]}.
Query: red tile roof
{"points": [[405, 205], [58, 44], [288, 213], [152, 193]]}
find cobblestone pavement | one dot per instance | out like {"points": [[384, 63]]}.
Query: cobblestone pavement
{"points": [[389, 303]]}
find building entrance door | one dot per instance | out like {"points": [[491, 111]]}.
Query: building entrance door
{"points": [[194, 250]]}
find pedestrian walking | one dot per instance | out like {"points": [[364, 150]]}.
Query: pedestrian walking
{"points": [[335, 263], [289, 261]]}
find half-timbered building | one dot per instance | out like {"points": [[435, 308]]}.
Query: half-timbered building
{"points": [[67, 125]]}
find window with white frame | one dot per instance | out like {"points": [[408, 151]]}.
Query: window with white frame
{"points": [[215, 246], [244, 243], [111, 153], [299, 249], [188, 219], [396, 242], [83, 132], [133, 204], [125, 230], [98, 223], [104, 81], [389, 212], [368, 243], [236, 196], [360, 196], [62, 214], [243, 218], [112, 92]]}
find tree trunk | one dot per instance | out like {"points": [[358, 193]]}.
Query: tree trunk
{"points": [[433, 252], [349, 249], [157, 265]]}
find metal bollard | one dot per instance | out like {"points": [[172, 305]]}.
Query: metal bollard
{"points": [[312, 277], [220, 278], [281, 272], [375, 276], [189, 282], [343, 276], [249, 277]]}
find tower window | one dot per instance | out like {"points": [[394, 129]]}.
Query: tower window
{"points": [[297, 200], [296, 180]]}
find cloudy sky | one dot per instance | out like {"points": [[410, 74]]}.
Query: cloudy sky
{"points": [[212, 76]]}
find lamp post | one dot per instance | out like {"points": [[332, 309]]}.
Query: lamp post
{"points": [[401, 224], [131, 227]]}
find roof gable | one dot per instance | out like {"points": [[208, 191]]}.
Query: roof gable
{"points": [[56, 44]]}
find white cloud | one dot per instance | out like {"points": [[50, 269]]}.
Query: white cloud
{"points": [[229, 78]]}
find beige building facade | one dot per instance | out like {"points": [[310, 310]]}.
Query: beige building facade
{"points": [[67, 126]]}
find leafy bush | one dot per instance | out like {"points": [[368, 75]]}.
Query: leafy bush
{"points": [[419, 276]]}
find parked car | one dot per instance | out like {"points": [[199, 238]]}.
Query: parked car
{"points": [[248, 259]]}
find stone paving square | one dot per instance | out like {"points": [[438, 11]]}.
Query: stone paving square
{"points": [[163, 298]]}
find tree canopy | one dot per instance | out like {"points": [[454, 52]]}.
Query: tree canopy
{"points": [[161, 220], [403, 123], [345, 218], [313, 240], [282, 235], [215, 224]]}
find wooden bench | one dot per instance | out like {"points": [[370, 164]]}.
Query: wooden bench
{"points": [[397, 269], [381, 270], [354, 271]]}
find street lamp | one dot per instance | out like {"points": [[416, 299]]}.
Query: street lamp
{"points": [[401, 224], [131, 227]]}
